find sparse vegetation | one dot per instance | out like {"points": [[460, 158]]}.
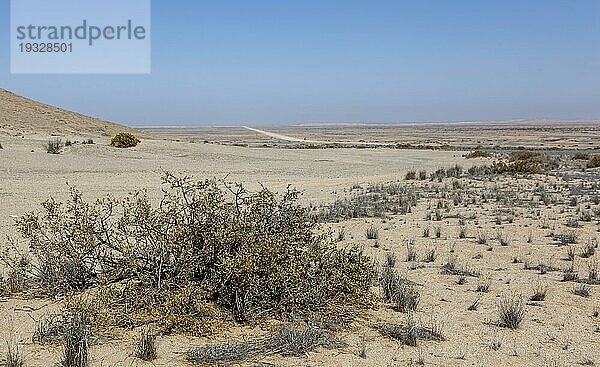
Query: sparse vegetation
{"points": [[206, 256], [288, 340], [581, 157]]}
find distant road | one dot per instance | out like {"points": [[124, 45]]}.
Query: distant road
{"points": [[298, 140]]}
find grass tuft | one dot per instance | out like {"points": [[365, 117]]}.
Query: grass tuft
{"points": [[511, 311], [146, 348]]}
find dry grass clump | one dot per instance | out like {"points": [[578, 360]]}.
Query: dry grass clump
{"points": [[477, 153], [13, 358], [15, 280], [430, 255], [582, 289], [398, 290], [482, 237], [288, 340], [410, 333], [451, 267], [54, 146], [76, 342], [201, 253], [411, 175], [411, 252], [146, 348], [567, 238], [594, 162], [511, 311], [484, 287], [569, 274], [539, 292], [50, 329], [372, 233], [124, 140], [589, 249]]}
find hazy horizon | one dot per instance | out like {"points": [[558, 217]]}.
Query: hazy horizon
{"points": [[382, 62]]}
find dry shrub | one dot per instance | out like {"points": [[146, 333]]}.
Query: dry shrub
{"points": [[411, 332], [594, 162], [288, 340], [76, 342], [477, 153], [54, 146], [146, 348], [203, 251], [124, 140], [525, 162], [581, 157]]}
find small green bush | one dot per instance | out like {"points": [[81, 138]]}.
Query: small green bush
{"points": [[124, 140], [594, 162]]}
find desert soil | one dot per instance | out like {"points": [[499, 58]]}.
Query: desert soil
{"points": [[562, 330]]}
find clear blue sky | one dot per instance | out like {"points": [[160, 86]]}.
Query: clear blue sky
{"points": [[274, 61]]}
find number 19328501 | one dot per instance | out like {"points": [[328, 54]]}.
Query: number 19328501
{"points": [[46, 47]]}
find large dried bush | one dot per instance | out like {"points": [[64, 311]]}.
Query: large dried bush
{"points": [[205, 250]]}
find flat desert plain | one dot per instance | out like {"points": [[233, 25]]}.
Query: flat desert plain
{"points": [[470, 240]]}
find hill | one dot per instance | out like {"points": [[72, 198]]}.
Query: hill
{"points": [[20, 115]]}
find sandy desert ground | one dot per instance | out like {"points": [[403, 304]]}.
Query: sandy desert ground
{"points": [[514, 234]]}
